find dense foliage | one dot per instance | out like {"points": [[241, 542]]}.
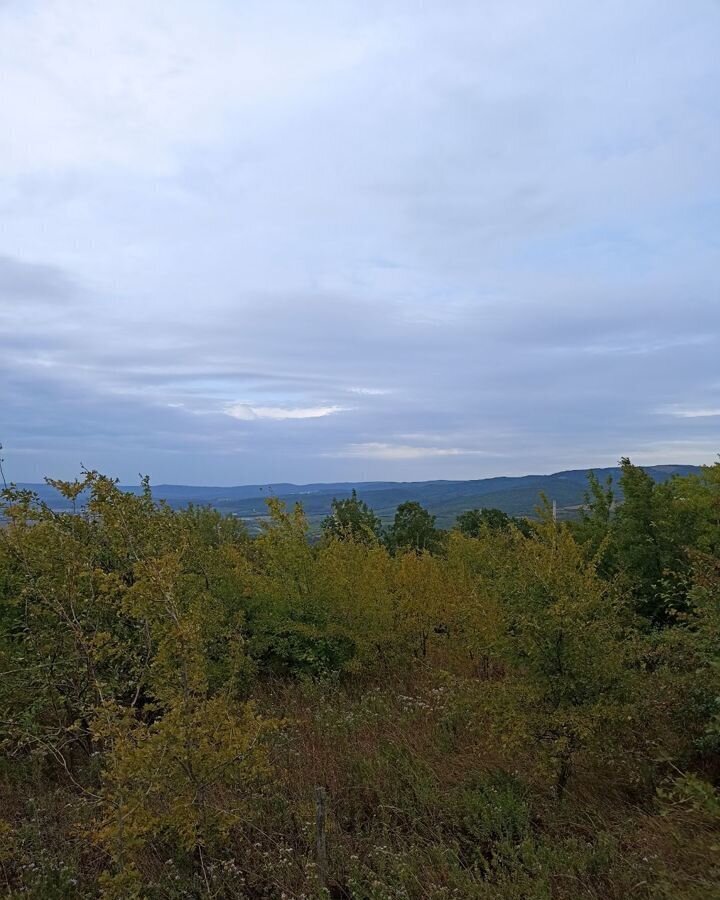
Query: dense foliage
{"points": [[505, 710]]}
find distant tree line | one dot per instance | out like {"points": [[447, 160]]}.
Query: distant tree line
{"points": [[413, 526]]}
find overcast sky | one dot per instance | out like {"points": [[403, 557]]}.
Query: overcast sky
{"points": [[260, 241]]}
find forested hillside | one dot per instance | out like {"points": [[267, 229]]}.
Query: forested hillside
{"points": [[444, 499], [505, 709]]}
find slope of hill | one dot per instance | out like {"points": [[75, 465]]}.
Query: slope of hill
{"points": [[445, 499]]}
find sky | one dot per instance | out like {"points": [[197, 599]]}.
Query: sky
{"points": [[357, 240]]}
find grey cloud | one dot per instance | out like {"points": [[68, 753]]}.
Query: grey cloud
{"points": [[478, 228], [25, 282]]}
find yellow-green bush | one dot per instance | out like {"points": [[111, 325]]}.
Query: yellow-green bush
{"points": [[511, 715]]}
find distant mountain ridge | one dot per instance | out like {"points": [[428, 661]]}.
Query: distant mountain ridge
{"points": [[515, 495]]}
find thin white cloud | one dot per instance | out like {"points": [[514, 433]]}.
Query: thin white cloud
{"points": [[376, 450], [369, 392], [248, 413], [640, 348], [692, 412]]}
